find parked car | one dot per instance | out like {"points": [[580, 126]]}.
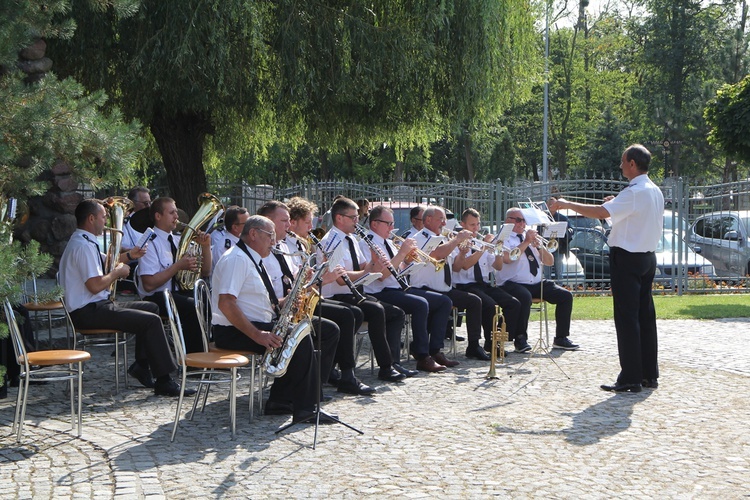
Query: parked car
{"points": [[590, 246], [724, 239], [578, 221]]}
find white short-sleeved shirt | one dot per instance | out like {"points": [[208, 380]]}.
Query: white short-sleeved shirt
{"points": [[295, 245], [466, 276], [637, 214], [236, 275], [428, 276], [80, 261], [389, 282], [274, 271], [409, 233], [158, 257], [129, 237], [520, 270], [221, 241], [329, 242]]}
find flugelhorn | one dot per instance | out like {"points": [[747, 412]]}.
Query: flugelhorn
{"points": [[499, 338], [421, 256]]}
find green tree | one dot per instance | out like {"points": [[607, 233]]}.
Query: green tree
{"points": [[727, 115]]}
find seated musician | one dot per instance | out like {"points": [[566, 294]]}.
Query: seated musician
{"points": [[225, 238], [429, 310], [415, 216], [474, 266], [384, 320], [245, 307], [298, 219], [157, 269], [141, 198], [523, 279], [440, 281], [86, 285]]}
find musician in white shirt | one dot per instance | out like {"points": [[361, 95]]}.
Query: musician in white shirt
{"points": [[225, 238]]}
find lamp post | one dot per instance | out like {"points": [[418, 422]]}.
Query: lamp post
{"points": [[545, 164]]}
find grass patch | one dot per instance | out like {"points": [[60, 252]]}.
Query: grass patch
{"points": [[708, 306]]}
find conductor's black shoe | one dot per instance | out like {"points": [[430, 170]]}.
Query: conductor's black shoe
{"points": [[476, 352], [404, 371], [308, 417], [334, 378], [564, 343], [650, 383], [390, 375], [278, 408], [142, 374], [170, 388], [355, 387], [618, 387]]}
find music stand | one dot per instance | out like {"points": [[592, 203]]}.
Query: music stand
{"points": [[318, 355], [541, 345]]}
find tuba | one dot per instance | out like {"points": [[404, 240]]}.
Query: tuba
{"points": [[116, 207], [209, 206], [293, 325]]}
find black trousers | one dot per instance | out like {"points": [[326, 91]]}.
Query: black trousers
{"points": [[631, 275], [492, 296], [348, 318], [553, 294], [384, 325], [298, 384], [139, 318], [185, 303], [472, 304]]}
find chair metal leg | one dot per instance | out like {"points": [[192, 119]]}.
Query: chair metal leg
{"points": [[252, 386], [179, 404], [72, 390], [233, 400], [24, 399], [80, 397]]}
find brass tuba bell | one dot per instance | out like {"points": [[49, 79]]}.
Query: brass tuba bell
{"points": [[209, 205]]}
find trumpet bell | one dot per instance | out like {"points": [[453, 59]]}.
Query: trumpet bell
{"points": [[552, 246], [515, 254]]}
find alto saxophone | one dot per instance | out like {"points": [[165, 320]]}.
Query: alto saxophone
{"points": [[293, 325], [209, 206]]}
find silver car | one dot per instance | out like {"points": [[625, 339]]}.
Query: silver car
{"points": [[724, 239]]}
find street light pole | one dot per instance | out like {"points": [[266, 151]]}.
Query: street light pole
{"points": [[545, 163]]}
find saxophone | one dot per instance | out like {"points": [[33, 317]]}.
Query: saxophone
{"points": [[293, 325], [117, 207], [209, 205]]}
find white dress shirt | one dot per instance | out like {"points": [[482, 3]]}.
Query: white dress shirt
{"points": [[157, 258], [389, 282], [236, 275], [328, 242], [221, 241], [428, 276], [519, 271], [80, 261], [637, 214]]}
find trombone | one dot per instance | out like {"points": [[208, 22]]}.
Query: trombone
{"points": [[420, 255]]}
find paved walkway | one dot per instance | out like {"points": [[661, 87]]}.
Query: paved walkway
{"points": [[532, 433]]}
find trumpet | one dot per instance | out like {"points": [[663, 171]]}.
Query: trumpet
{"points": [[551, 245], [478, 245], [499, 338], [421, 256]]}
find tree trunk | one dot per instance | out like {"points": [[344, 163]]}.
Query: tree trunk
{"points": [[324, 175], [398, 174], [349, 162], [467, 156], [180, 141]]}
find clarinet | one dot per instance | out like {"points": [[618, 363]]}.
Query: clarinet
{"points": [[360, 230], [345, 277]]}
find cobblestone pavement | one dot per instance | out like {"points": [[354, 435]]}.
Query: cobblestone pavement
{"points": [[531, 433]]}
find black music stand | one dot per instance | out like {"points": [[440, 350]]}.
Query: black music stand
{"points": [[317, 280]]}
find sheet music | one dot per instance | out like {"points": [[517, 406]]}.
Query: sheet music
{"points": [[431, 244], [556, 230], [505, 231], [412, 268], [534, 216], [367, 279], [338, 254]]}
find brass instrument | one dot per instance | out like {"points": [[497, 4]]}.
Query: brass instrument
{"points": [[421, 256], [293, 325], [117, 207], [209, 205], [551, 245], [478, 245], [362, 233], [345, 278], [499, 338]]}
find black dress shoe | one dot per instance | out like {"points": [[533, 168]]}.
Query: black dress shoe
{"points": [[404, 371], [278, 408], [334, 378], [308, 417], [618, 387], [390, 375], [476, 352], [142, 374], [650, 383], [170, 388], [326, 398], [355, 387]]}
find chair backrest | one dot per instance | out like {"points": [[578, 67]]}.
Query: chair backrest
{"points": [[202, 296], [175, 327], [15, 335], [33, 294]]}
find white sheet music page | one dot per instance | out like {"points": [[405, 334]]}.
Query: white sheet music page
{"points": [[534, 216], [367, 279], [556, 230], [505, 231]]}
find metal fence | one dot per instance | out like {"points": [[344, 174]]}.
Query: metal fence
{"points": [[721, 213]]}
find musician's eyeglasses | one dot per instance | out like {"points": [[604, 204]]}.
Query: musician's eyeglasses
{"points": [[390, 224], [271, 234], [352, 217], [416, 218], [517, 219]]}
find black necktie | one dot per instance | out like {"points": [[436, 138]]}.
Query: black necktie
{"points": [[353, 252], [269, 287], [286, 281], [388, 249], [478, 272], [447, 274], [533, 264], [173, 248]]}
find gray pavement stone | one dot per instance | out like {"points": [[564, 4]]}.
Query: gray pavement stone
{"points": [[533, 433]]}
